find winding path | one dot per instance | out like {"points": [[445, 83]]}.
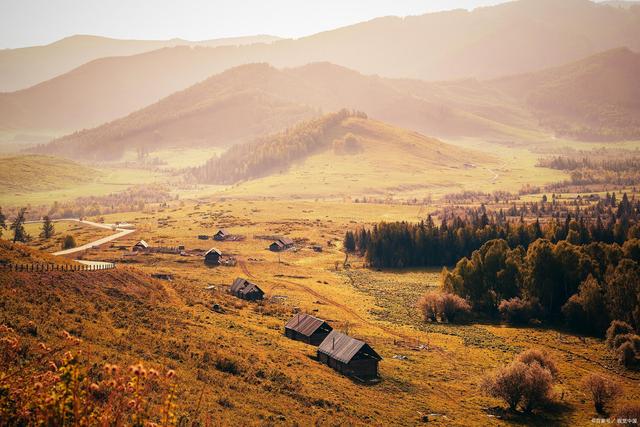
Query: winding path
{"points": [[120, 232]]}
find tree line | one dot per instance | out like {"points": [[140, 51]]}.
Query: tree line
{"points": [[403, 244], [259, 158]]}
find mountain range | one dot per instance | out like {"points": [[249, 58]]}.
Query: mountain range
{"points": [[487, 43], [24, 67]]}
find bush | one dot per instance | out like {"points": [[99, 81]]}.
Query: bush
{"points": [[520, 384], [68, 242], [626, 354], [621, 339], [445, 306], [452, 306], [519, 311], [531, 356], [224, 364], [617, 327], [602, 389]]}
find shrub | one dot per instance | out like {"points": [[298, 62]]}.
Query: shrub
{"points": [[224, 364], [626, 354], [602, 389], [621, 339], [68, 242], [617, 327], [531, 356], [519, 311], [521, 384], [445, 306], [452, 306], [537, 387]]}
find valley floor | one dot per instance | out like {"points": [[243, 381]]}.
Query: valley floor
{"points": [[427, 369]]}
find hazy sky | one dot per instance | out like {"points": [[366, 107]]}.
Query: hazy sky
{"points": [[34, 22]]}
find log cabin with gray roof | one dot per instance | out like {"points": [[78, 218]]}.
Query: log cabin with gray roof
{"points": [[349, 356], [307, 328]]}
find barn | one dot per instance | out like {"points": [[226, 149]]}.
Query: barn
{"points": [[349, 356], [307, 328], [221, 235], [281, 244], [140, 246], [244, 289], [212, 256]]}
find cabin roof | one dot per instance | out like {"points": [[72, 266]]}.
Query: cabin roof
{"points": [[286, 241], [304, 324], [142, 243], [243, 286], [213, 250], [223, 232], [343, 347]]}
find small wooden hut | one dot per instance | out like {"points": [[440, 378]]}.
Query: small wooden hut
{"points": [[307, 328], [349, 356], [141, 246], [281, 244], [212, 256], [244, 289]]}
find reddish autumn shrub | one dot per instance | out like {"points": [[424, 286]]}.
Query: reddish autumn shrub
{"points": [[444, 306], [519, 311], [534, 355], [603, 390]]}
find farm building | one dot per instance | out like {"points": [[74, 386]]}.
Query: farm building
{"points": [[244, 289], [349, 356], [221, 235], [212, 256], [306, 328], [281, 244], [140, 246]]}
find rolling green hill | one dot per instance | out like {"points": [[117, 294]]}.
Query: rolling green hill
{"points": [[344, 154], [24, 173]]}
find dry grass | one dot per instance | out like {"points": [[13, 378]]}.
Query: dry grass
{"points": [[248, 371]]}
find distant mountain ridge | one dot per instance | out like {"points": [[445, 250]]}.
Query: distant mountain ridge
{"points": [[252, 100], [24, 67], [490, 42], [597, 98]]}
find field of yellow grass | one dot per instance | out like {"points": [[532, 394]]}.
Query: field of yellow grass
{"points": [[277, 380]]}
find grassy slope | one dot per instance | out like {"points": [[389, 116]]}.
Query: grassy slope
{"points": [[26, 173], [18, 253], [392, 161], [279, 381]]}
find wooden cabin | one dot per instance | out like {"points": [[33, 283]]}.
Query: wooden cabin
{"points": [[244, 289], [212, 256], [221, 235], [141, 246], [281, 244], [349, 356], [307, 328]]}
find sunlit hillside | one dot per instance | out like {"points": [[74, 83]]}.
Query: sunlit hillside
{"points": [[25, 173]]}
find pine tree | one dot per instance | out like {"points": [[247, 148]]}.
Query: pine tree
{"points": [[19, 233], [3, 222], [47, 228]]}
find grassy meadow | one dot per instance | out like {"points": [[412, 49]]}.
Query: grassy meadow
{"points": [[278, 378]]}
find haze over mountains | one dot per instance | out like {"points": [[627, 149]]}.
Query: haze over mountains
{"points": [[24, 67], [595, 98], [256, 99], [511, 38]]}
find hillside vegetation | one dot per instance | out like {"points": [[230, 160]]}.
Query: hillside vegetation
{"points": [[595, 98], [515, 37], [257, 99], [40, 173], [344, 154]]}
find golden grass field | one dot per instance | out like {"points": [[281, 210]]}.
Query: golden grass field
{"points": [[280, 383]]}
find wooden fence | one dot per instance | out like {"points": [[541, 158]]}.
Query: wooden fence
{"points": [[37, 267]]}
